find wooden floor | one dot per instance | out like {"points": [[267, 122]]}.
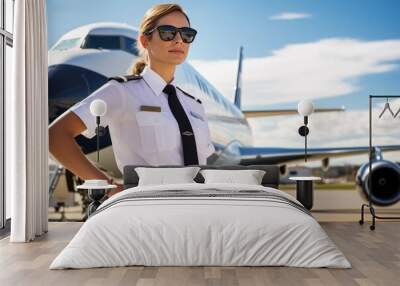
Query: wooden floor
{"points": [[374, 255]]}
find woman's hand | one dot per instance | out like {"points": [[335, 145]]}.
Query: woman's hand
{"points": [[111, 192]]}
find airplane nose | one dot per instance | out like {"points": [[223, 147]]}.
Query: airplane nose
{"points": [[69, 84]]}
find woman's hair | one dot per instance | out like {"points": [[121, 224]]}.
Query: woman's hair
{"points": [[149, 21]]}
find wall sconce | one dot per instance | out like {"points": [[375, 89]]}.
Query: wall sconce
{"points": [[98, 108], [305, 108]]}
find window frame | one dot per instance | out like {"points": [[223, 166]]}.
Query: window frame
{"points": [[6, 39]]}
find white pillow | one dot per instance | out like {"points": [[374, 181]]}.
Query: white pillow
{"points": [[162, 176], [250, 177]]}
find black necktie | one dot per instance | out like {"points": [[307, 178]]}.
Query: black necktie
{"points": [[187, 135]]}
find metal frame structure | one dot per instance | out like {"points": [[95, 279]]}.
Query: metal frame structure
{"points": [[6, 39], [370, 204]]}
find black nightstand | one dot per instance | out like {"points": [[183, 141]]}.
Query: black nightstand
{"points": [[305, 190]]}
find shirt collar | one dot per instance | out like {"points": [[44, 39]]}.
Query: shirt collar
{"points": [[154, 80]]}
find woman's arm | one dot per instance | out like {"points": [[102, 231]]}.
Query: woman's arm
{"points": [[64, 148]]}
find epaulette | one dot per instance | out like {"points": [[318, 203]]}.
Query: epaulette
{"points": [[184, 92], [125, 78]]}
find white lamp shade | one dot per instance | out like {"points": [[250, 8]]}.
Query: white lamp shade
{"points": [[98, 107], [305, 107]]}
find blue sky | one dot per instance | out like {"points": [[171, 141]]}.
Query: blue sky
{"points": [[225, 25], [333, 52]]}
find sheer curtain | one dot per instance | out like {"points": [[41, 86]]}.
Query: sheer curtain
{"points": [[27, 124]]}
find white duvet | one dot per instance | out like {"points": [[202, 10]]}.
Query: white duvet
{"points": [[218, 231]]}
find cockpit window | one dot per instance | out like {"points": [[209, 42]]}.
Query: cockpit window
{"points": [[67, 44], [110, 42], [130, 46], [102, 42]]}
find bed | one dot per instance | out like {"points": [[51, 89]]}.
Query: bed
{"points": [[201, 224]]}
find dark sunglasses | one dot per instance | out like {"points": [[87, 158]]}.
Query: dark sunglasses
{"points": [[168, 33]]}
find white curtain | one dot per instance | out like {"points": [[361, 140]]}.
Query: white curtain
{"points": [[27, 123]]}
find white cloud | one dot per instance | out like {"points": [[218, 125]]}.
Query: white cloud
{"points": [[338, 129], [325, 68], [329, 129], [290, 16]]}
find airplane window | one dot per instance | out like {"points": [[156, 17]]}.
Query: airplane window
{"points": [[102, 42], [66, 44], [130, 46]]}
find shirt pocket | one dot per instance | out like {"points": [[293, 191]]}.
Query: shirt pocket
{"points": [[155, 132]]}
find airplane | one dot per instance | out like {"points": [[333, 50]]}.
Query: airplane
{"points": [[83, 59]]}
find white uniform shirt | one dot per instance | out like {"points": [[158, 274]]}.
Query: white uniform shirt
{"points": [[145, 137]]}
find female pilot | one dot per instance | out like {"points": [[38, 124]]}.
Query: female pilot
{"points": [[151, 119]]}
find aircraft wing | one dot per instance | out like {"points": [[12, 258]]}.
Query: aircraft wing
{"points": [[276, 112], [276, 155]]}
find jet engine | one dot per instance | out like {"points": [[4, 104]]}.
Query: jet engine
{"points": [[385, 180]]}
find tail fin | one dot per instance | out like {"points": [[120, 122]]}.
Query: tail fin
{"points": [[238, 86]]}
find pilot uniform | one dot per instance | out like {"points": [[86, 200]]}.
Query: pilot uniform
{"points": [[145, 125]]}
